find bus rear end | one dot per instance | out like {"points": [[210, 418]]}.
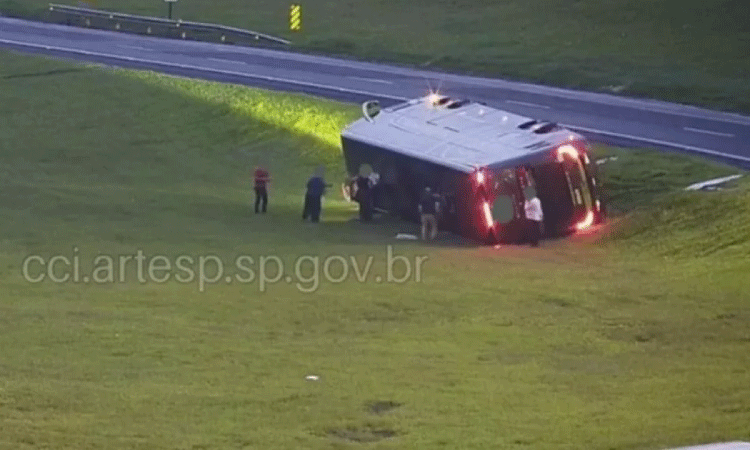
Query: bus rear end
{"points": [[568, 188]]}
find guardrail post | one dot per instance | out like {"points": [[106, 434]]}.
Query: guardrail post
{"points": [[170, 3], [85, 17]]}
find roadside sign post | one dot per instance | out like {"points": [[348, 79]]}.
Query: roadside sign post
{"points": [[295, 17], [169, 7]]}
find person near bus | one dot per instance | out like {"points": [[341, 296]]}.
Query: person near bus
{"points": [[316, 188], [429, 208], [534, 220], [262, 178], [363, 186], [375, 188]]}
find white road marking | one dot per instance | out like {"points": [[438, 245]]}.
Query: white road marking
{"points": [[659, 142], [135, 47], [533, 105], [234, 61], [703, 184], [372, 80], [715, 133]]}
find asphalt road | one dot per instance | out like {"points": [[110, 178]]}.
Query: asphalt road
{"points": [[601, 117]]}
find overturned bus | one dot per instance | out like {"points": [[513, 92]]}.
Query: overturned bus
{"points": [[483, 162]]}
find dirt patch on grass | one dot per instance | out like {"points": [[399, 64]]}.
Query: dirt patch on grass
{"points": [[557, 302], [382, 407], [724, 328], [362, 435]]}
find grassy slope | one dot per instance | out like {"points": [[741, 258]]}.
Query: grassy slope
{"points": [[621, 345], [693, 51]]}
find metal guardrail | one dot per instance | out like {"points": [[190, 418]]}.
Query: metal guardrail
{"points": [[154, 26]]}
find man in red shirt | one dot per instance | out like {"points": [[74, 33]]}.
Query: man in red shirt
{"points": [[262, 179]]}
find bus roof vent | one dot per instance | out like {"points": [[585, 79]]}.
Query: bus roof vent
{"points": [[457, 104], [442, 101], [546, 128], [529, 124]]}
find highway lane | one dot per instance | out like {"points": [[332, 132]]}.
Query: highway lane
{"points": [[602, 117]]}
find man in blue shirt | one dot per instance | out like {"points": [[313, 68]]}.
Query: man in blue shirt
{"points": [[316, 188]]}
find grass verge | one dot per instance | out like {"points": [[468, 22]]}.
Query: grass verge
{"points": [[614, 344]]}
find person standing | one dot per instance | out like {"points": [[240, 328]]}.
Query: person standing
{"points": [[316, 188], [429, 208], [262, 178], [534, 219], [364, 197]]}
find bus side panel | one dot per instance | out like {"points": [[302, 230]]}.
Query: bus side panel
{"points": [[403, 179]]}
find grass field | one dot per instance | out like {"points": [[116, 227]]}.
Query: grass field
{"points": [[691, 51], [634, 337]]}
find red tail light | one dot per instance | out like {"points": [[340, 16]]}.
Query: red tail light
{"points": [[585, 223], [488, 215]]}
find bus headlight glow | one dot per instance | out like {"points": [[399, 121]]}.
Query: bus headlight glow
{"points": [[480, 177]]}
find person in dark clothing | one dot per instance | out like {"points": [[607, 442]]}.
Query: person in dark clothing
{"points": [[429, 208], [316, 188], [364, 197], [262, 179]]}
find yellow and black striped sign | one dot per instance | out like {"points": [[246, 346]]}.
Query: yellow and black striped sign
{"points": [[295, 17]]}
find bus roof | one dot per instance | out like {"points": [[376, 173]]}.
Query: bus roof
{"points": [[460, 134]]}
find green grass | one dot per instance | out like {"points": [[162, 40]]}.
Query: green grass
{"points": [[634, 337], [635, 177], [691, 51]]}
